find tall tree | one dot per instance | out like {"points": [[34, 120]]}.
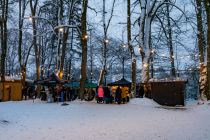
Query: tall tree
{"points": [[71, 14], [207, 5], [33, 8], [149, 9], [22, 7], [3, 38], [169, 40], [105, 41], [84, 48], [133, 57], [201, 45]]}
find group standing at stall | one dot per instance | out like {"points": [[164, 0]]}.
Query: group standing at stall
{"points": [[108, 95], [57, 94]]}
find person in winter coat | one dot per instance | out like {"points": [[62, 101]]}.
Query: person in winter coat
{"points": [[100, 94], [112, 95], [107, 95], [124, 94], [118, 95], [63, 94], [141, 91]]}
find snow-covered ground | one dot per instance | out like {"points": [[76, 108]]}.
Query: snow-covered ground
{"points": [[141, 119]]}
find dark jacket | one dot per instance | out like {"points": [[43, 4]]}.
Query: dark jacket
{"points": [[118, 93], [106, 92]]}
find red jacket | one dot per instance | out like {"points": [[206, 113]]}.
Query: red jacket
{"points": [[100, 92]]}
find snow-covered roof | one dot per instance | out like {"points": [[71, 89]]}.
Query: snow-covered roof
{"points": [[12, 78]]}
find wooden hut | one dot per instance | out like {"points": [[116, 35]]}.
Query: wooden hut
{"points": [[12, 90]]}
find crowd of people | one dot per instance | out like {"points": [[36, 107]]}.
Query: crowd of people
{"points": [[119, 94], [108, 95], [58, 94], [50, 94]]}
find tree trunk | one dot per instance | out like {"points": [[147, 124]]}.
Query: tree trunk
{"points": [[36, 48], [3, 26], [170, 43], [200, 39], [102, 76], [133, 86], [207, 3], [23, 76], [20, 43], [147, 52], [84, 48], [133, 65], [105, 41], [70, 58], [63, 50], [20, 34]]}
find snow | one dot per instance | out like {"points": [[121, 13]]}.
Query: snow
{"points": [[141, 119]]}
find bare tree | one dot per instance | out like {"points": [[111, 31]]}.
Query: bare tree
{"points": [[201, 45], [72, 5], [105, 40], [133, 65], [169, 42], [3, 34], [84, 48], [149, 9], [207, 4], [33, 8], [22, 63]]}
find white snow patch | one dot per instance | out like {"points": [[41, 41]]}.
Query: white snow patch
{"points": [[141, 119], [143, 102]]}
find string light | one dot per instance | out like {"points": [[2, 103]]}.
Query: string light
{"points": [[86, 37], [30, 19], [106, 41], [60, 29], [145, 65]]}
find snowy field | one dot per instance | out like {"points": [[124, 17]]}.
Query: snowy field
{"points": [[141, 119]]}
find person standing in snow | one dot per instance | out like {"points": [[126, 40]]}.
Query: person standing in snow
{"points": [[112, 95], [123, 94], [100, 94], [118, 95], [63, 94], [141, 90], [107, 95]]}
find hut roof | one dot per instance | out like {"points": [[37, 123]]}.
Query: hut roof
{"points": [[121, 82], [51, 80]]}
